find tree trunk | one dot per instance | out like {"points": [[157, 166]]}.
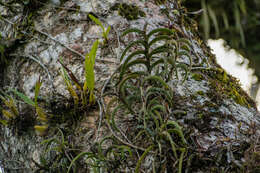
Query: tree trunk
{"points": [[184, 114]]}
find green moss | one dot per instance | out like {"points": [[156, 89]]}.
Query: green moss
{"points": [[200, 93], [130, 12], [225, 86], [197, 76], [200, 115]]}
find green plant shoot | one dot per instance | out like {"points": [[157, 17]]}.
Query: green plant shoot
{"points": [[89, 83], [105, 32]]}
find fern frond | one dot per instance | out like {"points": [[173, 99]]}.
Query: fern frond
{"points": [[157, 62], [158, 108], [185, 68], [134, 43], [162, 30], [159, 38], [133, 30], [139, 162], [172, 143], [138, 52], [156, 79], [159, 91], [137, 61], [160, 49], [184, 41], [177, 130], [187, 54], [125, 79]]}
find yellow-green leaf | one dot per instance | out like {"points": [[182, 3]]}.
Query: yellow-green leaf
{"points": [[8, 114], [41, 129], [37, 90], [41, 114]]}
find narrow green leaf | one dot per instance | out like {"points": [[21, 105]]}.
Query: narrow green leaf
{"points": [[162, 30], [139, 162], [160, 49], [124, 65], [37, 90], [97, 21], [93, 52], [4, 122], [138, 52], [137, 61], [135, 30], [237, 17], [23, 97], [187, 54], [159, 38], [225, 20], [77, 157], [89, 71], [242, 6], [156, 79], [107, 32], [132, 44], [242, 36], [214, 19], [172, 143], [181, 160], [125, 79], [178, 128], [206, 24], [185, 68], [185, 42], [158, 107]]}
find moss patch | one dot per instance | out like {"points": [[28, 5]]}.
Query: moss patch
{"points": [[225, 86], [130, 12], [200, 93], [197, 76]]}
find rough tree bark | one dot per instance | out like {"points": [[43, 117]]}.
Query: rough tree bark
{"points": [[218, 121]]}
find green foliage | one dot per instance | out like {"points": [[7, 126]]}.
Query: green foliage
{"points": [[41, 114], [151, 56], [12, 111], [70, 87], [25, 98], [145, 96], [57, 154], [105, 32], [89, 83], [235, 21], [87, 91]]}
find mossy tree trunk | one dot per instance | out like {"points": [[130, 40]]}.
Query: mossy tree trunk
{"points": [[163, 104]]}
